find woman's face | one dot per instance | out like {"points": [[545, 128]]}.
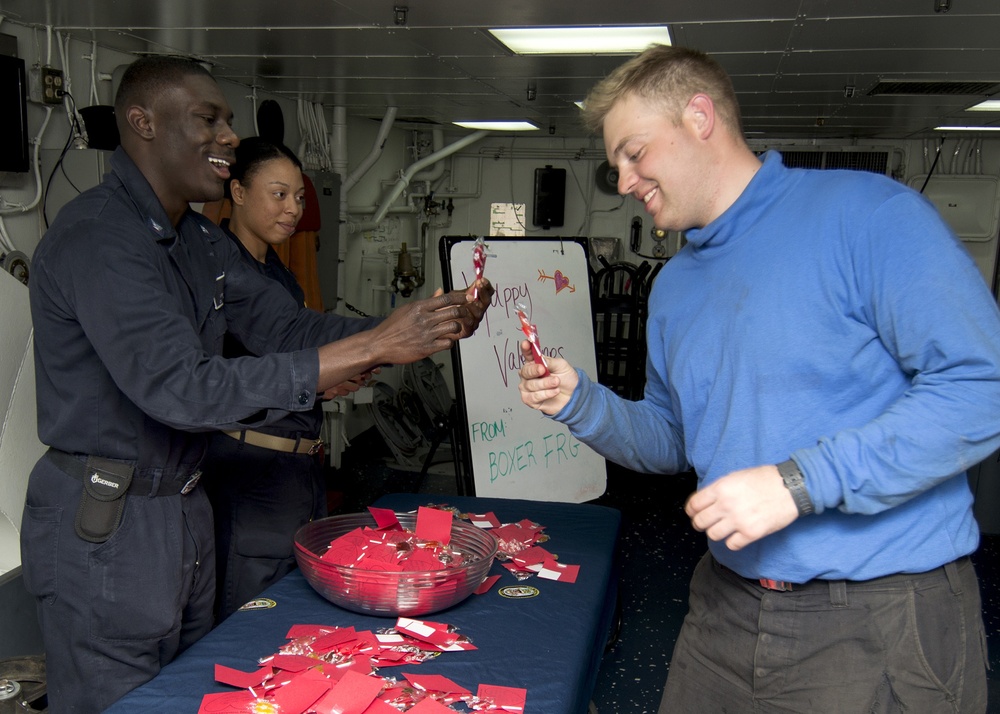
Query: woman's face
{"points": [[267, 208]]}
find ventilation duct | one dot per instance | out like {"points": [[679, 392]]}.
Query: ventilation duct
{"points": [[874, 161], [919, 88]]}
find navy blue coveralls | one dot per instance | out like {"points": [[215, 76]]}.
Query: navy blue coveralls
{"points": [[129, 315], [261, 496]]}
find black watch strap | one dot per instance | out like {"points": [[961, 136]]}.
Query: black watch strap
{"points": [[796, 484]]}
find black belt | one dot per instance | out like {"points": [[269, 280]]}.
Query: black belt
{"points": [[785, 586], [72, 466]]}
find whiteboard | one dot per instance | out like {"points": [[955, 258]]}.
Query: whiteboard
{"points": [[514, 451]]}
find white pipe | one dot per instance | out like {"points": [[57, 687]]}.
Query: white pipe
{"points": [[436, 171], [94, 99], [37, 141], [338, 165], [303, 130], [5, 241], [323, 135], [253, 109], [338, 151], [404, 180], [376, 151], [953, 167]]}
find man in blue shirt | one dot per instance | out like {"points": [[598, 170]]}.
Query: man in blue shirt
{"points": [[825, 356]]}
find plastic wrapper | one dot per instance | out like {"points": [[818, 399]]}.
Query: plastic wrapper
{"points": [[531, 333], [478, 262]]}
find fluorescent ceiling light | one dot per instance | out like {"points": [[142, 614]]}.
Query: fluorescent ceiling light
{"points": [[967, 128], [497, 125], [990, 105], [581, 40]]}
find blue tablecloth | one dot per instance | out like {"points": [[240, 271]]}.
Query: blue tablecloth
{"points": [[550, 644]]}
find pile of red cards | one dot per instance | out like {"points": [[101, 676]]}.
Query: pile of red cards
{"points": [[333, 670]]}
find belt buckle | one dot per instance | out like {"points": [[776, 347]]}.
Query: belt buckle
{"points": [[780, 586], [191, 483], [314, 449]]}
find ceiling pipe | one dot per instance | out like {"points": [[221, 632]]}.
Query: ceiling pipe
{"points": [[338, 165], [373, 155], [437, 170], [404, 179]]}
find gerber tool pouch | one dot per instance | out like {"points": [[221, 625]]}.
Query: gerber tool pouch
{"points": [[103, 500]]}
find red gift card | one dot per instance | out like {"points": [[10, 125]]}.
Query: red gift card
{"points": [[484, 520], [297, 631], [384, 517], [434, 524], [429, 706], [380, 707], [241, 680], [422, 560], [509, 699], [435, 683], [353, 694], [487, 584], [328, 641], [226, 703], [563, 572], [293, 663], [300, 694], [535, 555]]}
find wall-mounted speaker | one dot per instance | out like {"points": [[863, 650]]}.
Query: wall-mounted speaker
{"points": [[550, 197], [606, 178]]}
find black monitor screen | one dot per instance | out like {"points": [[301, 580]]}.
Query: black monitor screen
{"points": [[14, 117]]}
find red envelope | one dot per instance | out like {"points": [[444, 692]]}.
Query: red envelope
{"points": [[434, 524], [434, 632], [353, 694], [563, 572], [335, 672], [378, 565], [241, 680], [384, 517], [421, 560], [435, 683], [484, 520], [300, 694], [487, 584], [429, 706], [380, 707], [329, 641], [226, 703], [297, 631], [343, 553], [507, 698], [536, 554], [293, 663]]}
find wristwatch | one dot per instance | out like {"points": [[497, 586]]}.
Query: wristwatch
{"points": [[796, 484]]}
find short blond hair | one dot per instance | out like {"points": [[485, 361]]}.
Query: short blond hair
{"points": [[668, 76]]}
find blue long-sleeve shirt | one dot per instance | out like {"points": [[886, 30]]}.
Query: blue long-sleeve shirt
{"points": [[830, 316]]}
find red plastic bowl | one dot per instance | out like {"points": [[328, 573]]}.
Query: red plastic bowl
{"points": [[374, 592]]}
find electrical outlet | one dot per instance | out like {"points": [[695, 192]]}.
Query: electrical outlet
{"points": [[45, 85]]}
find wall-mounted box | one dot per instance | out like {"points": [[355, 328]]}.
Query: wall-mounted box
{"points": [[970, 204]]}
